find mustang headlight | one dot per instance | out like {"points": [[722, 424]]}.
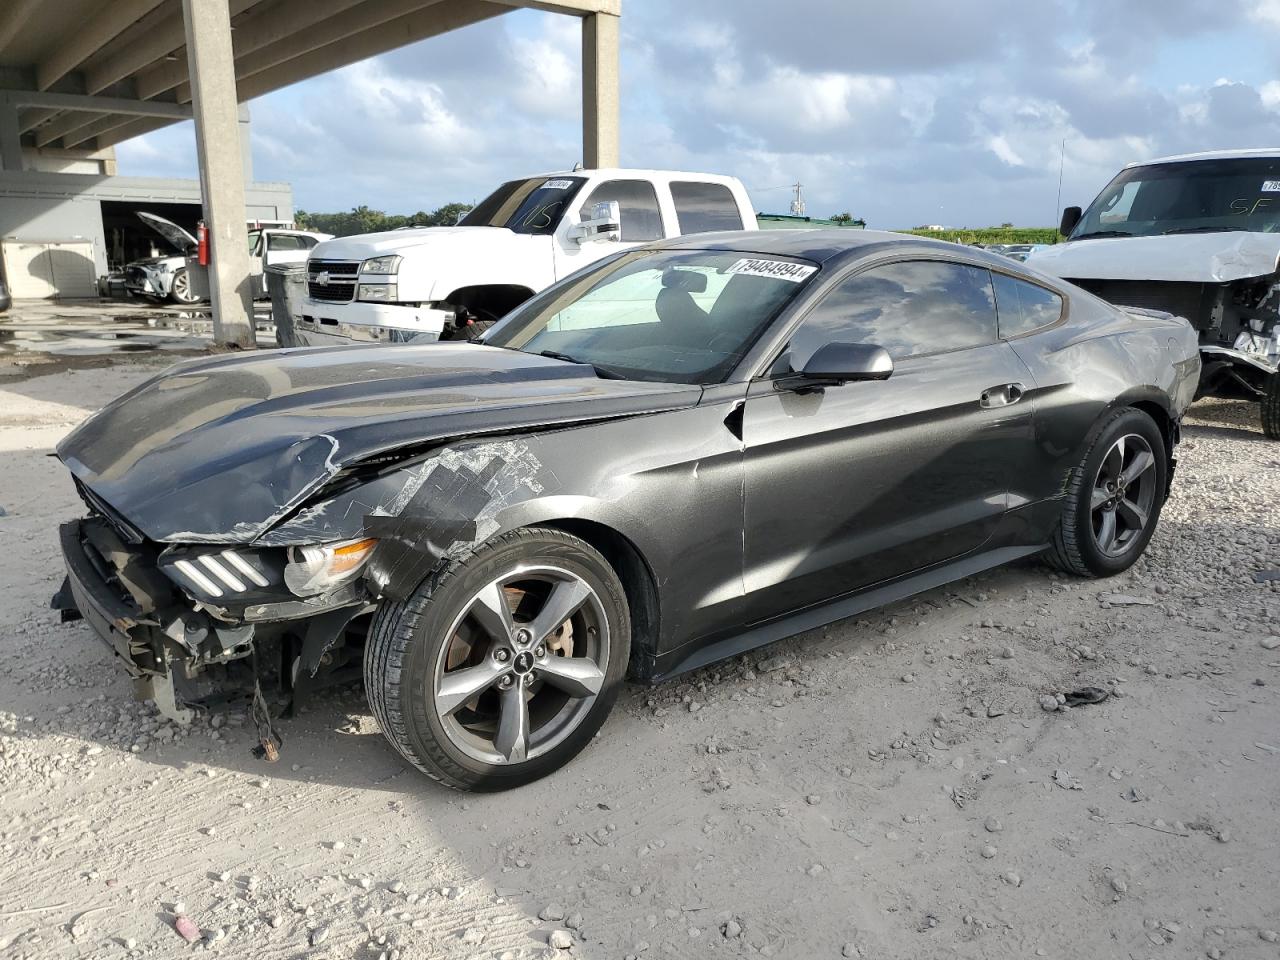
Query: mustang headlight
{"points": [[378, 292], [320, 568], [381, 265]]}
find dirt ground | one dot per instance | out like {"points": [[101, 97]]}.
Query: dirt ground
{"points": [[889, 787]]}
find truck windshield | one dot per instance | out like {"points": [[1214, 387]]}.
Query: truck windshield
{"points": [[526, 206], [672, 316], [1193, 196]]}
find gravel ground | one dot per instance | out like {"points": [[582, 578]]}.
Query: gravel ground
{"points": [[890, 787]]}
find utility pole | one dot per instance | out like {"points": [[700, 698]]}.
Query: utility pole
{"points": [[1062, 164], [797, 205]]}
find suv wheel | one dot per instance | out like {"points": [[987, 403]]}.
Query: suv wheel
{"points": [[1114, 498], [501, 666]]}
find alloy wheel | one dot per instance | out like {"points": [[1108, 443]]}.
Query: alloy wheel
{"points": [[1124, 492], [182, 287], [523, 663]]}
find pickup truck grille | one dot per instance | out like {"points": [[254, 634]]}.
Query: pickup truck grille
{"points": [[332, 280]]}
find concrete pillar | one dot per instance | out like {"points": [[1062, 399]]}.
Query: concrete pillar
{"points": [[246, 146], [10, 138], [600, 90], [217, 116]]}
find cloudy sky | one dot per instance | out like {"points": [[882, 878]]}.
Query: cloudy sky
{"points": [[909, 112]]}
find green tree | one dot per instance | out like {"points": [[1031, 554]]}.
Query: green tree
{"points": [[845, 217], [363, 219]]}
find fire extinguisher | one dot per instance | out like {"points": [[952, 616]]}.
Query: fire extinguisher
{"points": [[202, 244]]}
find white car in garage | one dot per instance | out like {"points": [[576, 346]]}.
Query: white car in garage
{"points": [[165, 278]]}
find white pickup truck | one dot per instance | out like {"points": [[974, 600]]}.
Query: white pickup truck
{"points": [[453, 282]]}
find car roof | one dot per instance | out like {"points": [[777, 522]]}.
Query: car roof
{"points": [[1256, 152], [636, 173], [822, 246]]}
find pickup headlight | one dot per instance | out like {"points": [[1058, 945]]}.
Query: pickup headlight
{"points": [[381, 265], [318, 569], [377, 292]]}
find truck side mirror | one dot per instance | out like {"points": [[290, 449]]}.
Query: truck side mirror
{"points": [[1070, 217], [605, 224]]}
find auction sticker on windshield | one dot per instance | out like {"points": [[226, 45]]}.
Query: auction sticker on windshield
{"points": [[777, 269], [557, 185], [1271, 186]]}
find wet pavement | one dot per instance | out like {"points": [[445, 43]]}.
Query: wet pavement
{"points": [[37, 333]]}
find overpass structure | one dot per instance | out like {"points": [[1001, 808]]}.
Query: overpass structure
{"points": [[79, 76]]}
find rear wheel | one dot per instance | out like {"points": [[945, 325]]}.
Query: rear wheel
{"points": [[1114, 498], [500, 668], [1271, 407]]}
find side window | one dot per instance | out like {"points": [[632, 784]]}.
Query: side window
{"points": [[639, 206], [909, 308], [704, 207], [284, 241], [1023, 306]]}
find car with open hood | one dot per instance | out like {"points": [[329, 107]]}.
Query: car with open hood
{"points": [[1197, 236], [166, 277], [681, 453]]}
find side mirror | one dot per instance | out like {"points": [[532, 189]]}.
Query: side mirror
{"points": [[834, 364], [1070, 217], [605, 224]]}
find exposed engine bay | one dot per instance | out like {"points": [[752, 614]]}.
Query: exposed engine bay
{"points": [[1238, 323]]}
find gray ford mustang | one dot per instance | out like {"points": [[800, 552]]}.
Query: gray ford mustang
{"points": [[676, 455]]}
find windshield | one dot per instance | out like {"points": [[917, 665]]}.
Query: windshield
{"points": [[674, 316], [525, 206], [1196, 196]]}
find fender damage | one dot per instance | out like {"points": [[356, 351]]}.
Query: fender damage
{"points": [[187, 563]]}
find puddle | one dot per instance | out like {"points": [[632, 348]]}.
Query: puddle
{"points": [[94, 333]]}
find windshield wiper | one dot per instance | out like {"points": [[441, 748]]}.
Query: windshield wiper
{"points": [[1103, 233], [1204, 229], [604, 373]]}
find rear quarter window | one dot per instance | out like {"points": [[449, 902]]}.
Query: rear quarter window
{"points": [[1024, 307], [704, 207]]}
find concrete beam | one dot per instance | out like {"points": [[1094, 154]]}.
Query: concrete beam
{"points": [[13, 17], [261, 30], [600, 90], [28, 120], [110, 21], [579, 8], [166, 37], [76, 101], [427, 22], [95, 128], [118, 130], [212, 65]]}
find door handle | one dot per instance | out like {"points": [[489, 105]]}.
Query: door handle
{"points": [[1002, 395]]}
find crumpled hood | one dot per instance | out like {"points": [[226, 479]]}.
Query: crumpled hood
{"points": [[1190, 257], [365, 245], [222, 449]]}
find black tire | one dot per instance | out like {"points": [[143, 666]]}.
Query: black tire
{"points": [[1075, 547], [406, 640], [1271, 408]]}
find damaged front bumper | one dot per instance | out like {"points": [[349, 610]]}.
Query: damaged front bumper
{"points": [[165, 637]]}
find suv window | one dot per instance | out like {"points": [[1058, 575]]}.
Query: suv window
{"points": [[639, 208], [1023, 306], [704, 207], [910, 308]]}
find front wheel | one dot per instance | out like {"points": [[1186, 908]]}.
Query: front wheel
{"points": [[501, 667], [180, 288], [1271, 407], [1114, 498]]}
